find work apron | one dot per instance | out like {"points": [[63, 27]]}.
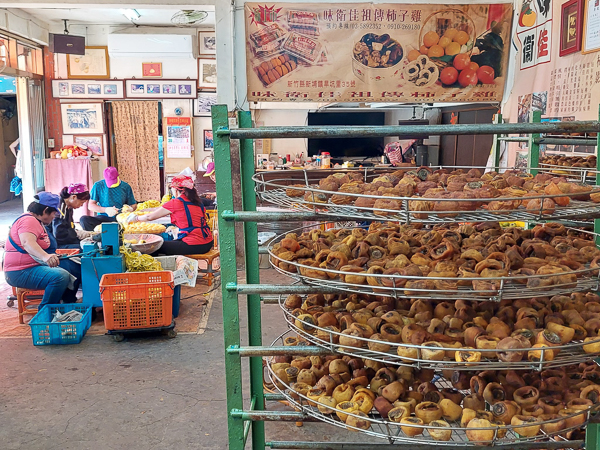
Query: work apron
{"points": [[73, 284], [183, 232], [51, 249]]}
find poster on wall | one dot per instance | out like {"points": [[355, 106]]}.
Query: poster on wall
{"points": [[94, 64], [179, 137], [365, 52]]}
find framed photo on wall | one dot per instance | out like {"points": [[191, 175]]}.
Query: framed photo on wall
{"points": [[203, 103], [207, 73], [157, 89], [571, 25], [87, 89], [94, 144], [207, 43], [208, 141], [82, 118], [152, 70], [591, 25], [92, 65]]}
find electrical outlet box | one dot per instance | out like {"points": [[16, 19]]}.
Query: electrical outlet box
{"points": [[50, 143]]}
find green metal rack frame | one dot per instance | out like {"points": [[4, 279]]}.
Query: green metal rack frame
{"points": [[242, 420]]}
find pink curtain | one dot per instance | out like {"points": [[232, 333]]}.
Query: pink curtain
{"points": [[59, 173]]}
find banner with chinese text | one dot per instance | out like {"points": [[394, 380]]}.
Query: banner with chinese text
{"points": [[377, 52], [563, 88]]}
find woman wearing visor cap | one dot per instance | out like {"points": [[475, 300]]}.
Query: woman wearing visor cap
{"points": [[29, 259]]}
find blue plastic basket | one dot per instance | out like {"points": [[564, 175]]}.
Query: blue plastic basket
{"points": [[44, 332]]}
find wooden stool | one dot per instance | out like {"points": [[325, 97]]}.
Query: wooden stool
{"points": [[26, 298], [209, 258]]}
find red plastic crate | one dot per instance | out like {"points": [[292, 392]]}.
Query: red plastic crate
{"points": [[135, 300], [67, 251]]}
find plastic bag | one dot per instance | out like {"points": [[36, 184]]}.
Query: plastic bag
{"points": [[188, 172]]}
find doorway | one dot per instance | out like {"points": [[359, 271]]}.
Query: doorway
{"points": [[31, 135], [469, 150]]}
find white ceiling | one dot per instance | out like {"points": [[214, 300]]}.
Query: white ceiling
{"points": [[149, 17]]}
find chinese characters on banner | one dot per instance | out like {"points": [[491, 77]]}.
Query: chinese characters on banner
{"points": [[571, 88], [534, 32], [566, 88], [179, 137], [376, 52]]}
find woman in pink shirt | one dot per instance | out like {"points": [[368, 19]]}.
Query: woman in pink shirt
{"points": [[29, 259]]}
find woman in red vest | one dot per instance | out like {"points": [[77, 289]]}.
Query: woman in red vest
{"points": [[188, 214]]}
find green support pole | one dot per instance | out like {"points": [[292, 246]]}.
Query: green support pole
{"points": [[534, 147], [231, 315], [252, 277], [496, 144], [597, 221], [592, 435]]}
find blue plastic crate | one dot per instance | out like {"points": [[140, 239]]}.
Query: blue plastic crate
{"points": [[44, 332]]}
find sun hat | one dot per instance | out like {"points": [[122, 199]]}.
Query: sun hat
{"points": [[76, 188], [111, 177], [48, 199], [182, 181], [210, 169]]}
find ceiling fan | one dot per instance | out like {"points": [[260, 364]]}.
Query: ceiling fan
{"points": [[188, 17]]}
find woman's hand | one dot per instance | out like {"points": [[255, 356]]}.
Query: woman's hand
{"points": [[30, 245], [81, 234], [131, 218], [111, 211], [52, 260]]}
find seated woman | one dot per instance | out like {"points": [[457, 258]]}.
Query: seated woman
{"points": [[188, 214], [63, 227], [29, 259]]}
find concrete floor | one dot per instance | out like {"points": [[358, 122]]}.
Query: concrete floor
{"points": [[9, 211], [141, 394]]}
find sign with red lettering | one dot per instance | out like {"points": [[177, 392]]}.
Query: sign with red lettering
{"points": [[179, 137], [534, 32], [378, 52]]}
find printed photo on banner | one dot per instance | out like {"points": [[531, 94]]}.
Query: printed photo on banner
{"points": [[539, 101], [524, 108], [521, 160], [396, 52]]}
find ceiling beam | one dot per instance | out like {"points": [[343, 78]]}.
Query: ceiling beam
{"points": [[66, 4]]}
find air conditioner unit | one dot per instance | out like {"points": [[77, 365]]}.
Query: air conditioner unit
{"points": [[151, 45]]}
